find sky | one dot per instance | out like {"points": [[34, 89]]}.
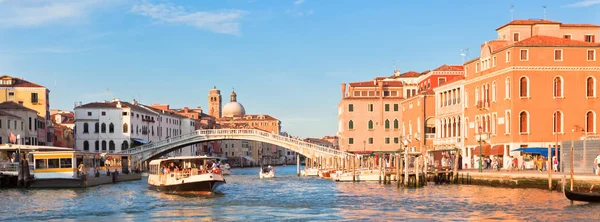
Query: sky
{"points": [[285, 58]]}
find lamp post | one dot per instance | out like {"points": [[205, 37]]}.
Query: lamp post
{"points": [[480, 152], [364, 146]]}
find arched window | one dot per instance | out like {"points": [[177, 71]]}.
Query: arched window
{"points": [[103, 128], [557, 122], [85, 128], [370, 124], [591, 86], [523, 122], [590, 122], [97, 128], [507, 88], [430, 126], [124, 145], [97, 145], [524, 87], [111, 145], [387, 124], [558, 87], [125, 129], [507, 122], [477, 96], [396, 124], [86, 145], [494, 91], [111, 128], [351, 124], [103, 144]]}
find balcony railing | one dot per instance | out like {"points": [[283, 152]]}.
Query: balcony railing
{"points": [[447, 141]]}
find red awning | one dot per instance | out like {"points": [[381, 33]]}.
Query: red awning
{"points": [[488, 149]]}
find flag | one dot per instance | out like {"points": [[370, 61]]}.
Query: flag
{"points": [[12, 138]]}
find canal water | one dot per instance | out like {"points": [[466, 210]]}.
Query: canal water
{"points": [[245, 197]]}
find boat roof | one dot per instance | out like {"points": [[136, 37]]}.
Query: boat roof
{"points": [[157, 161]]}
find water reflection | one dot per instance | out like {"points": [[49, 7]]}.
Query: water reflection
{"points": [[245, 197]]}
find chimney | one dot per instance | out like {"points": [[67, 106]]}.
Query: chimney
{"points": [[75, 105], [343, 86], [80, 103], [118, 103], [186, 109], [397, 72], [135, 102]]}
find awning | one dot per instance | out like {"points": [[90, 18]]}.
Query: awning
{"points": [[140, 141], [488, 149], [249, 158], [535, 150]]}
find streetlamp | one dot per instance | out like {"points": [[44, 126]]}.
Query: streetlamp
{"points": [[480, 152], [364, 145]]}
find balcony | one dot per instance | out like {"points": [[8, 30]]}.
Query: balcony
{"points": [[483, 105], [447, 141]]}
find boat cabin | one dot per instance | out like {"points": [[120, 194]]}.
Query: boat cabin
{"points": [[73, 164]]}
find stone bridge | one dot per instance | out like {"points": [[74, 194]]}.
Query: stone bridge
{"points": [[156, 149]]}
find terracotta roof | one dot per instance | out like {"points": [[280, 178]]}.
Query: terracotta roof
{"points": [[19, 82], [409, 74], [372, 83], [449, 68], [373, 98], [14, 106], [251, 117], [528, 22], [540, 40], [94, 105], [2, 113], [425, 72]]}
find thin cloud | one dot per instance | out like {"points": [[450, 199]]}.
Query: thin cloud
{"points": [[224, 21], [586, 3], [28, 13], [298, 2]]}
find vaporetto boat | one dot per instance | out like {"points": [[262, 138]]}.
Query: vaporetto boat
{"points": [[185, 173]]}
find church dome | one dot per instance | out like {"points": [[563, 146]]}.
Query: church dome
{"points": [[233, 109]]}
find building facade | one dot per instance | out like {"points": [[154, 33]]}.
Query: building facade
{"points": [[533, 86], [112, 126], [18, 121], [32, 96]]}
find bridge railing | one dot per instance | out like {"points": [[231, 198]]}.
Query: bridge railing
{"points": [[160, 143], [228, 132]]}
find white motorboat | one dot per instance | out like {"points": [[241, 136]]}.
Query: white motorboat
{"points": [[185, 173], [361, 175], [267, 172], [224, 165], [310, 172]]}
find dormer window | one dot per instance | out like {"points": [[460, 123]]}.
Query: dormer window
{"points": [[590, 38], [568, 36], [516, 37]]}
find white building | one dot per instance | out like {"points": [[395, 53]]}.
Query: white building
{"points": [[20, 121], [113, 126], [449, 114]]}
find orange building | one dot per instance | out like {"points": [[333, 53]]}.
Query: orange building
{"points": [[418, 121], [534, 85], [372, 117]]}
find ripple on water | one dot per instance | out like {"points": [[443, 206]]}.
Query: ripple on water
{"points": [[248, 198]]}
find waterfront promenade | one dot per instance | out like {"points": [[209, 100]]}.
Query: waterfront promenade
{"points": [[529, 179]]}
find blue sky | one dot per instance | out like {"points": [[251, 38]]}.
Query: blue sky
{"points": [[285, 58]]}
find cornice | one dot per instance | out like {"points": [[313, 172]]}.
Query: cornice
{"points": [[534, 68]]}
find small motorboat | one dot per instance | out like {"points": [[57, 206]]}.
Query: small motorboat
{"points": [[267, 172]]}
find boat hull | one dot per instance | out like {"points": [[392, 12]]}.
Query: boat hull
{"points": [[581, 196], [267, 175], [206, 186]]}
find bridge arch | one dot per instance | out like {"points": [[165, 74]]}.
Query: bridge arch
{"points": [[149, 151]]}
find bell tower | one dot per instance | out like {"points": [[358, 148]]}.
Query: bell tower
{"points": [[214, 102]]}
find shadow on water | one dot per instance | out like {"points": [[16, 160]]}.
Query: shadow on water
{"points": [[245, 197]]}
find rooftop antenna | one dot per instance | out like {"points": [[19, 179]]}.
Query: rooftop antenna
{"points": [[465, 54], [512, 11], [543, 6]]}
